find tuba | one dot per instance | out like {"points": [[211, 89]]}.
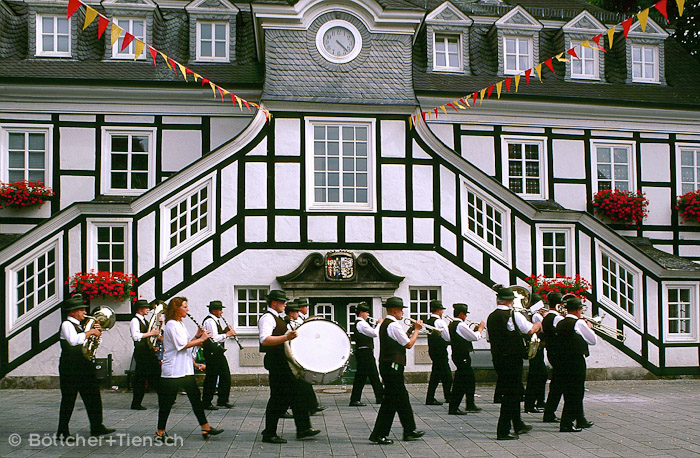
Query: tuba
{"points": [[155, 322], [522, 304], [106, 317]]}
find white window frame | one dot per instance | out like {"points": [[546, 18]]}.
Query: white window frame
{"points": [[198, 46], [167, 254], [444, 36], [569, 233], [131, 49], [642, 79], [631, 161], [694, 301], [517, 70], [504, 253], [6, 129], [580, 51], [14, 322], [371, 204], [314, 310], [237, 311], [543, 170], [39, 38], [93, 224], [635, 319], [679, 166], [106, 177], [429, 289]]}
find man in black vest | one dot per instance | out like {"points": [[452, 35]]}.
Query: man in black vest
{"points": [[364, 336], [461, 337], [393, 343], [76, 373], [437, 350], [273, 334], [575, 336], [537, 370], [217, 364], [147, 367], [505, 327], [551, 343], [304, 389]]}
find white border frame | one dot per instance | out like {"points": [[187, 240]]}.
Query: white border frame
{"points": [[657, 65], [544, 171], [338, 23], [594, 142], [115, 48], [637, 320], [12, 321], [106, 179], [694, 302], [596, 64], [246, 330], [371, 205], [460, 53], [679, 147], [198, 35], [47, 129], [39, 49], [91, 250], [570, 232], [506, 36]]}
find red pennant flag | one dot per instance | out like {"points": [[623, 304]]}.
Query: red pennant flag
{"points": [[153, 54], [204, 80], [128, 38], [423, 113], [597, 41], [508, 80], [172, 64], [626, 24], [102, 24], [188, 71], [527, 76], [233, 99], [73, 6], [572, 52], [549, 65], [488, 94], [464, 102], [436, 114], [474, 96], [221, 92], [248, 107], [453, 106], [661, 6]]}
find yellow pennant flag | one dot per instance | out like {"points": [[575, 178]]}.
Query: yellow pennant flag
{"points": [[240, 105], [410, 123], [116, 31], [196, 77], [213, 88], [227, 93], [538, 69], [680, 4], [182, 69], [499, 85], [456, 103], [586, 44], [165, 58], [560, 58], [90, 15], [481, 93], [139, 49], [643, 19], [611, 34], [517, 81], [443, 110]]}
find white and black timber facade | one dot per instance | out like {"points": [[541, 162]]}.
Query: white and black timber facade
{"points": [[197, 198]]}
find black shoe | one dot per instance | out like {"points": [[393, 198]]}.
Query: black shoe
{"points": [[225, 405], [433, 402], [473, 408], [160, 438], [287, 414], [357, 404], [456, 412], [569, 429], [508, 437], [307, 433], [211, 407], [381, 440], [413, 435], [318, 409], [101, 431], [550, 419], [523, 429], [64, 436], [584, 424], [274, 440], [138, 408], [540, 405], [211, 432], [533, 410]]}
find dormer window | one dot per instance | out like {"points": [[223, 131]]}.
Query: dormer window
{"points": [[586, 66], [518, 41], [448, 35], [52, 36], [518, 54], [136, 27], [448, 51], [645, 63], [212, 41], [577, 35], [645, 53]]}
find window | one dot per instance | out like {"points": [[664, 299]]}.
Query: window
{"points": [[518, 54], [619, 284], [420, 301], [485, 222], [212, 41], [324, 310], [136, 27], [447, 52], [52, 36], [555, 248], [681, 312], [690, 168], [645, 63], [587, 66], [340, 160], [614, 166], [109, 245], [128, 161], [26, 154], [527, 167], [251, 305]]}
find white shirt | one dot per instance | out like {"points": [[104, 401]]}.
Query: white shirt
{"points": [[440, 324], [465, 332], [69, 334], [537, 318], [210, 324], [303, 316], [583, 330], [267, 324], [523, 325], [364, 328], [135, 327], [395, 331], [297, 322], [177, 361]]}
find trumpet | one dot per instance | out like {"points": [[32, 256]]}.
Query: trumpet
{"points": [[600, 328], [234, 337], [472, 324], [428, 329], [371, 321]]}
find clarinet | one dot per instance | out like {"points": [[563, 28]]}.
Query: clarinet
{"points": [[209, 345], [234, 337]]}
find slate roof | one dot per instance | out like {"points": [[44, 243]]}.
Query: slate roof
{"points": [[666, 260]]}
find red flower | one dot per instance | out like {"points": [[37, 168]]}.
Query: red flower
{"points": [[564, 285], [688, 206], [621, 206], [115, 285], [23, 193]]}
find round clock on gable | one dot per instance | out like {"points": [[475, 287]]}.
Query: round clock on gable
{"points": [[338, 41]]}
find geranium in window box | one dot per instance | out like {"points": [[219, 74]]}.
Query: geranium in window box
{"points": [[621, 206], [115, 286], [688, 206], [576, 285], [21, 194]]}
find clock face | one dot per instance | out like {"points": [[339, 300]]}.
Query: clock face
{"points": [[339, 41]]}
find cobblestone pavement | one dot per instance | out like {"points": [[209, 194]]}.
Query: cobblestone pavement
{"points": [[632, 419]]}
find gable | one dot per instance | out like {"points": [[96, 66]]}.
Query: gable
{"points": [[447, 13], [519, 18], [221, 6], [584, 22], [653, 30], [140, 4]]}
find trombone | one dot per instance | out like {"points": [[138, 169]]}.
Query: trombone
{"points": [[427, 327], [601, 328]]}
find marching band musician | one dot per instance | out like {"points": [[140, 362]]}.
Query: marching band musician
{"points": [[364, 336], [76, 373], [306, 390], [551, 341], [393, 343], [575, 336], [147, 366], [461, 337], [507, 352], [217, 364], [437, 350], [303, 308], [537, 370], [273, 335]]}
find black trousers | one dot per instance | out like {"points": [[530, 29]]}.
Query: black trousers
{"points": [[509, 369], [86, 384], [169, 388], [464, 383], [283, 393], [217, 369], [573, 383], [395, 400], [147, 369], [366, 369], [555, 387], [536, 381], [440, 372]]}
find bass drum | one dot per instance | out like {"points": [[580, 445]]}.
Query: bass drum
{"points": [[320, 353]]}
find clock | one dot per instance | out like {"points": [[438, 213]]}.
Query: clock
{"points": [[338, 41]]}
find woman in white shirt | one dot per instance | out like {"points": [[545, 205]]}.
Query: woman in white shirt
{"points": [[177, 372]]}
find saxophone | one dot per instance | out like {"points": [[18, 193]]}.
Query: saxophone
{"points": [[106, 317]]}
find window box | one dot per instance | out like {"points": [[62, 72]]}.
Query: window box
{"points": [[115, 286], [621, 206], [23, 194]]}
